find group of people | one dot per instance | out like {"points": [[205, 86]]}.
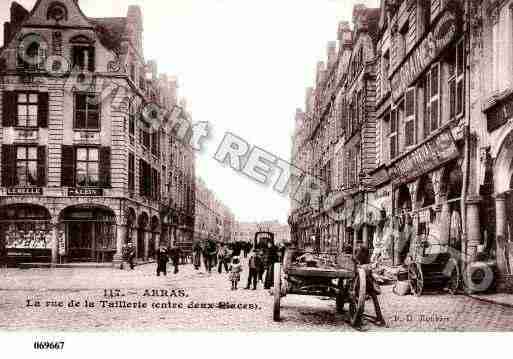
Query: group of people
{"points": [[163, 255], [260, 264]]}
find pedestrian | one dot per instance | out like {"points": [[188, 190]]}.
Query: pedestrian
{"points": [[235, 269], [131, 255], [261, 269], [222, 259], [209, 254], [254, 266], [362, 259], [196, 255], [271, 257], [162, 259], [175, 254]]}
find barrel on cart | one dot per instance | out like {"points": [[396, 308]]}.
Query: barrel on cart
{"points": [[433, 267]]}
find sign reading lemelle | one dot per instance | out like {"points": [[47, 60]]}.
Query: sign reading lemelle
{"points": [[24, 191], [434, 43], [85, 192], [429, 155]]}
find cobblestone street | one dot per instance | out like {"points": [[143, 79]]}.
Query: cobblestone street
{"points": [[432, 311]]}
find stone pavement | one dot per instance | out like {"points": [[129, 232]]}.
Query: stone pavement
{"points": [[435, 311]]}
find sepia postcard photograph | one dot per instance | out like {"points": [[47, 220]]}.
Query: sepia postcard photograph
{"points": [[335, 167]]}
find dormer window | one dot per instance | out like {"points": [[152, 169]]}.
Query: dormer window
{"points": [[32, 53], [83, 54]]}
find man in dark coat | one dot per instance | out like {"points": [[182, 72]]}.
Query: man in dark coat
{"points": [[175, 253], [254, 265], [196, 255], [130, 254], [271, 256], [162, 259], [209, 254]]}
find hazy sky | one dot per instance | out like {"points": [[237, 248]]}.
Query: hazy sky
{"points": [[243, 66]]}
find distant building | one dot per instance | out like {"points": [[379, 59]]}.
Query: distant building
{"points": [[245, 231]]}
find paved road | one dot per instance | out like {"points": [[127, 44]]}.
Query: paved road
{"points": [[431, 311]]}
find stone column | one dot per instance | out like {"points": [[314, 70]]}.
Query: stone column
{"points": [[55, 242], [146, 244], [121, 232], [444, 220], [473, 228], [500, 233], [157, 241], [365, 235]]}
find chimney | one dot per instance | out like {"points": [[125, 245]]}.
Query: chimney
{"points": [[332, 53], [308, 99], [7, 32], [321, 69], [345, 35]]}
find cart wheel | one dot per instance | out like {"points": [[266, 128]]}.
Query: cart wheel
{"points": [[416, 279], [277, 291], [454, 279], [357, 297]]}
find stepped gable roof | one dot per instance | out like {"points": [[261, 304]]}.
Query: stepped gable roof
{"points": [[110, 31]]}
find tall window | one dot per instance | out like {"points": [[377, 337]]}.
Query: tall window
{"points": [[131, 172], [131, 122], [432, 113], [409, 117], [392, 135], [26, 166], [83, 57], [385, 72], [144, 134], [457, 81], [27, 109], [31, 53], [87, 112], [87, 167]]}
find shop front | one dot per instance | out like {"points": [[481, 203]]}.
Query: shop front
{"points": [[26, 234], [89, 234]]}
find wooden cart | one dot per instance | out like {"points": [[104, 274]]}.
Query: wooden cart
{"points": [[344, 281], [433, 266]]}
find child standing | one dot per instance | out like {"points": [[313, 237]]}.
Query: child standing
{"points": [[235, 269]]}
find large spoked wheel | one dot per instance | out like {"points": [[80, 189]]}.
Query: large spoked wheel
{"points": [[455, 277], [277, 291], [416, 279], [357, 297]]}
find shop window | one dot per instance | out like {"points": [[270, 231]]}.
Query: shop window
{"points": [[27, 109], [456, 67], [87, 167], [83, 57], [409, 117], [26, 166], [432, 103], [392, 136], [87, 112], [131, 172]]}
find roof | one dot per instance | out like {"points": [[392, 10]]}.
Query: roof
{"points": [[110, 31]]}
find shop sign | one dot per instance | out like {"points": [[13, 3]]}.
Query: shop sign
{"points": [[62, 244], [431, 154], [85, 192], [435, 42], [499, 115], [24, 191]]}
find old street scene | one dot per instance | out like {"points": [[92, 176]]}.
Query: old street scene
{"points": [[369, 191]]}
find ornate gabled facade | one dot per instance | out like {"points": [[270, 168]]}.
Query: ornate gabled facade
{"points": [[84, 170]]}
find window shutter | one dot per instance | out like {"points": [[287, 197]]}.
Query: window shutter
{"points": [[8, 165], [41, 166], [92, 60], [105, 167], [42, 110], [68, 166], [10, 109]]}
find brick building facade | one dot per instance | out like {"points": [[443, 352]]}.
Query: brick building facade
{"points": [[83, 172], [408, 130]]}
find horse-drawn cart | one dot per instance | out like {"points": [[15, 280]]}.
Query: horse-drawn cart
{"points": [[321, 274]]}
